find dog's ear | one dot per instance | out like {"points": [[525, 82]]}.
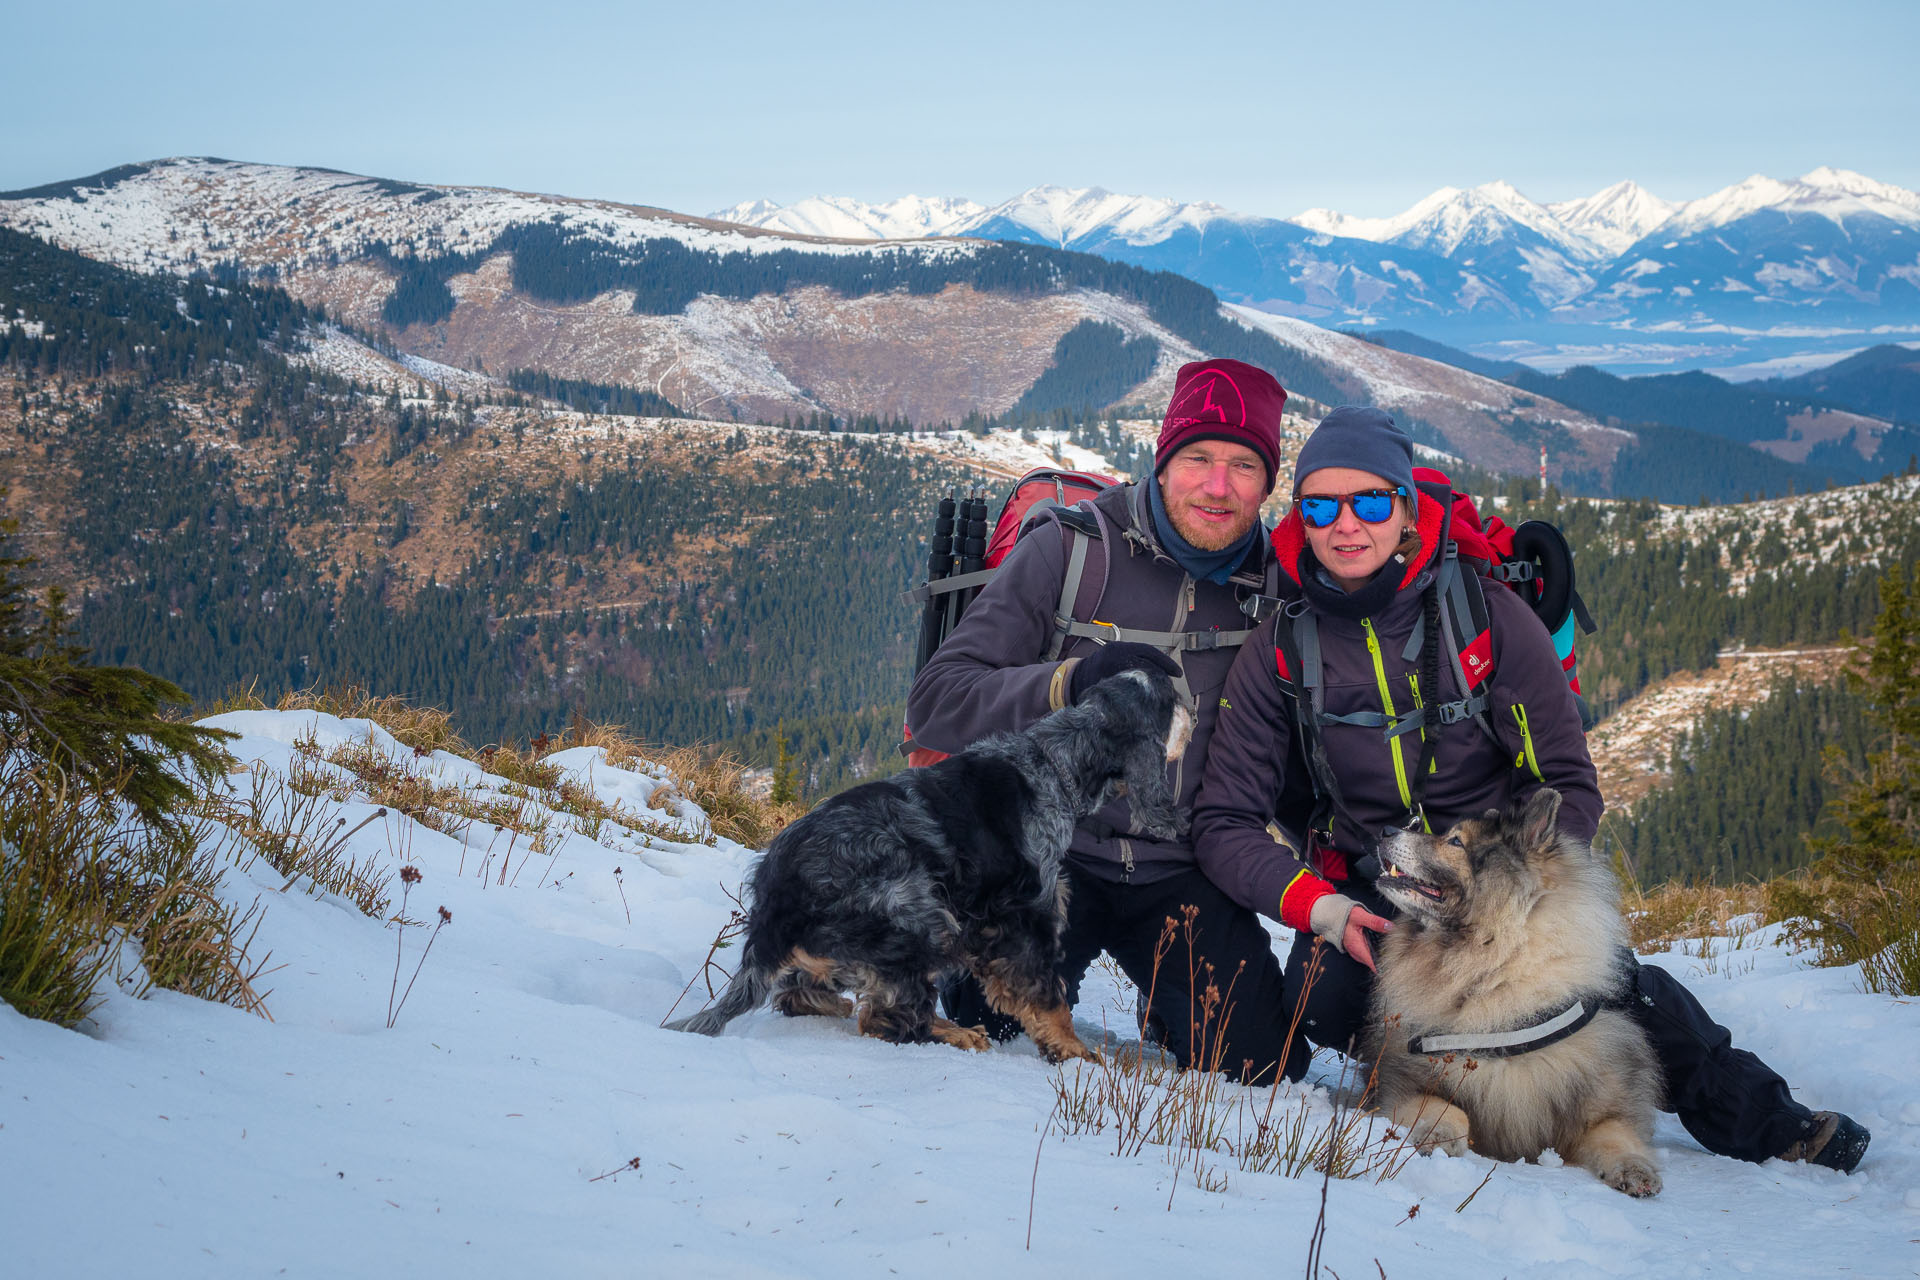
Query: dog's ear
{"points": [[1150, 798], [1540, 820]]}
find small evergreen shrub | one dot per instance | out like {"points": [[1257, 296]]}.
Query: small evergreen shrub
{"points": [[1859, 903]]}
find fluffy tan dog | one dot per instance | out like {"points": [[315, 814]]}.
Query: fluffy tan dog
{"points": [[1497, 1010]]}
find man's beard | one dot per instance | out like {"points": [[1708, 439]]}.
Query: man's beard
{"points": [[1210, 537]]}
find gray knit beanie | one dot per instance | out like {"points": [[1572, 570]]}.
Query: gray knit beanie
{"points": [[1362, 438]]}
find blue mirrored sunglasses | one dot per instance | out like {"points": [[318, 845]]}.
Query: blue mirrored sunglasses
{"points": [[1370, 506]]}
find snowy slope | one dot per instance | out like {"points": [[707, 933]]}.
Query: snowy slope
{"points": [[1493, 228], [493, 1130], [1451, 219], [1068, 217], [1833, 194], [1059, 216], [845, 218], [1615, 217], [1468, 408], [1831, 240], [176, 215]]}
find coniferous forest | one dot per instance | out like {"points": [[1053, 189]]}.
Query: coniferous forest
{"points": [[1747, 787], [227, 516]]}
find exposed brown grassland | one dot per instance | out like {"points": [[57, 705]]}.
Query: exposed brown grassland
{"points": [[713, 780]]}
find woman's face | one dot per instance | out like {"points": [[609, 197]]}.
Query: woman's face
{"points": [[1351, 549]]}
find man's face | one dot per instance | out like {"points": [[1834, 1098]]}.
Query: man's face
{"points": [[1212, 491]]}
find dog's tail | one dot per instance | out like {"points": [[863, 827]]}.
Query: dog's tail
{"points": [[746, 991]]}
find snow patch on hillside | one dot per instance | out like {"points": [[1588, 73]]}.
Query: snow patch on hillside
{"points": [[1397, 379], [842, 217], [186, 214]]}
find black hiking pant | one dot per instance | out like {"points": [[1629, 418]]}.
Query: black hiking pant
{"points": [[1245, 1036], [1731, 1102]]}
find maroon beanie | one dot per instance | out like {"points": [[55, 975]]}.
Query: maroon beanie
{"points": [[1224, 400]]}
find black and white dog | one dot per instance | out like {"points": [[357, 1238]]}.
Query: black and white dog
{"points": [[890, 885]]}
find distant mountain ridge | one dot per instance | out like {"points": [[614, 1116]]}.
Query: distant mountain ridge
{"points": [[1831, 248], [612, 303], [1882, 380], [717, 318]]}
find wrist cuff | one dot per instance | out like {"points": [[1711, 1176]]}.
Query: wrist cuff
{"points": [[1296, 902], [1057, 687]]}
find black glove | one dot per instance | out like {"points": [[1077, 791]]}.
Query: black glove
{"points": [[1111, 660]]}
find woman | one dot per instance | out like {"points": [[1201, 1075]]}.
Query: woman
{"points": [[1359, 551]]}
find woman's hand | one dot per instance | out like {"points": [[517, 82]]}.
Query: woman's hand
{"points": [[1345, 924]]}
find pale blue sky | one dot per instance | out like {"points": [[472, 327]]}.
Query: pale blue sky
{"points": [[1265, 108]]}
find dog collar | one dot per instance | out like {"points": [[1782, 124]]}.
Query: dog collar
{"points": [[1551, 1029]]}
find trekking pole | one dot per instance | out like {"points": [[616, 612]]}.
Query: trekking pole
{"points": [[939, 565], [973, 548]]}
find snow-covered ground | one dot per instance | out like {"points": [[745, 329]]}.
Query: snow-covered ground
{"points": [[525, 1114]]}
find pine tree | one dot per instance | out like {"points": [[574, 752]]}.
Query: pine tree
{"points": [[786, 774], [1863, 906], [1881, 809], [100, 726]]}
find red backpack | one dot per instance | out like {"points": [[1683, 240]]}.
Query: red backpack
{"points": [[1534, 561], [964, 557]]}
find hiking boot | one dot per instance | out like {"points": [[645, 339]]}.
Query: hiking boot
{"points": [[1832, 1141]]}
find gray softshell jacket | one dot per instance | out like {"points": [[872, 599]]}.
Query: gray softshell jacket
{"points": [[992, 675]]}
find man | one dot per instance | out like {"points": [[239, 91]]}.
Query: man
{"points": [[1164, 566]]}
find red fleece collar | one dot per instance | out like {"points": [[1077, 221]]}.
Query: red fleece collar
{"points": [[1290, 537]]}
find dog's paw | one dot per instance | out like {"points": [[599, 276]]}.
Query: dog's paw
{"points": [[1072, 1047], [1433, 1125], [1634, 1176], [974, 1038]]}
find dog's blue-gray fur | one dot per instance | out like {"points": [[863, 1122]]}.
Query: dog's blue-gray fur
{"points": [[889, 885]]}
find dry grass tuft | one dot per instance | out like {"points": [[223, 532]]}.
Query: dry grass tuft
{"points": [[1674, 913], [422, 728], [302, 838], [521, 767], [714, 781], [610, 738], [190, 941], [717, 783], [239, 697], [1870, 921], [1203, 1122], [82, 876]]}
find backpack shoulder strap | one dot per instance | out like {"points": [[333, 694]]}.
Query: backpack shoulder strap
{"points": [[1298, 667], [1468, 636], [1077, 614], [1084, 530]]}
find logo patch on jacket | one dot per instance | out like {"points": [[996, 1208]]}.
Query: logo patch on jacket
{"points": [[1477, 659]]}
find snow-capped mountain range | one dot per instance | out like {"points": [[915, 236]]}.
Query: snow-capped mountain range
{"points": [[1832, 249]]}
